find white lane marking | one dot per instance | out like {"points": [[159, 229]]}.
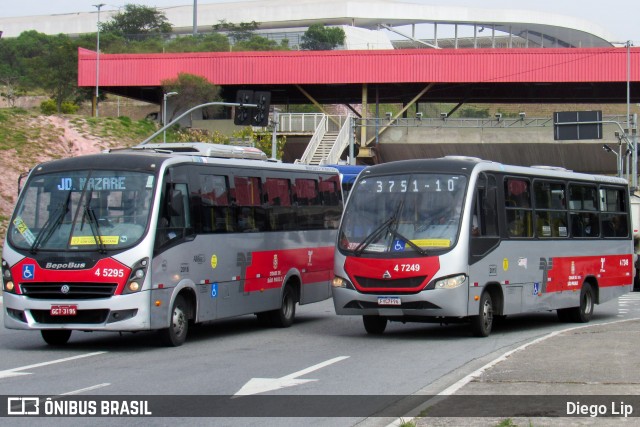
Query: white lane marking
{"points": [[262, 385], [8, 373], [82, 390]]}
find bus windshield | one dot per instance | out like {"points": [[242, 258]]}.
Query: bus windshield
{"points": [[417, 212], [82, 210]]}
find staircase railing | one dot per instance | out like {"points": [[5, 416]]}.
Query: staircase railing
{"points": [[342, 142], [321, 129]]}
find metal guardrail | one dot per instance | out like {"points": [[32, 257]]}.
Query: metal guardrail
{"points": [[307, 123], [299, 122], [485, 122]]}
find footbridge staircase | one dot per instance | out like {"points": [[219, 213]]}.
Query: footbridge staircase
{"points": [[329, 135]]}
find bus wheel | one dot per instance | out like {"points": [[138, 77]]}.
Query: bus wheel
{"points": [[482, 323], [55, 336], [283, 317], [374, 325], [176, 334], [582, 314]]}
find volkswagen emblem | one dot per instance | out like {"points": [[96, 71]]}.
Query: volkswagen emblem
{"points": [[65, 289]]}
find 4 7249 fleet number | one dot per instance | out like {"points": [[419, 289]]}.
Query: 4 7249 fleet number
{"points": [[406, 267]]}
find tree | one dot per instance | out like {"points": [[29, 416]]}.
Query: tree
{"points": [[257, 43], [59, 71], [319, 37], [192, 90], [238, 32], [45, 62], [199, 43], [137, 20]]}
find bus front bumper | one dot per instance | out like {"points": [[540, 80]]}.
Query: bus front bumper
{"points": [[430, 303], [120, 313]]}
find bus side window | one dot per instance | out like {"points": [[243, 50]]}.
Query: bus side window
{"points": [[174, 218], [485, 234], [485, 218], [614, 212]]}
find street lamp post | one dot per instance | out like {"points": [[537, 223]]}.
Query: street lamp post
{"points": [[99, 6], [164, 113], [195, 17], [608, 149], [274, 138]]}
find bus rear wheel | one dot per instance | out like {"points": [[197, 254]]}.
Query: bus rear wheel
{"points": [[283, 317], [374, 325], [55, 336], [176, 334], [583, 313], [482, 323]]}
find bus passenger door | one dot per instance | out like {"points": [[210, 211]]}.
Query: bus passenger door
{"points": [[484, 233]]}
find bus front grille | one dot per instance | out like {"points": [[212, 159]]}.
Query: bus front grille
{"points": [[413, 283], [68, 291]]}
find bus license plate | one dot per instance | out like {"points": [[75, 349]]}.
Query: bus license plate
{"points": [[64, 310], [389, 301]]}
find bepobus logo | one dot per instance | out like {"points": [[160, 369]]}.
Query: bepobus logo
{"points": [[23, 406], [71, 265]]}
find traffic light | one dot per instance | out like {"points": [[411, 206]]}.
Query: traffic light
{"points": [[243, 115], [260, 114]]}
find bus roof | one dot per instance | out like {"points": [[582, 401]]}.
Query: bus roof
{"points": [[206, 149], [465, 165]]}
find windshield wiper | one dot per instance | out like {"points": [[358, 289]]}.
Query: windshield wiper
{"points": [[415, 247], [95, 227], [50, 226], [378, 230]]}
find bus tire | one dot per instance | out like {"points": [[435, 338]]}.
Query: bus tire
{"points": [[583, 313], [176, 334], [374, 325], [55, 337], [283, 317], [482, 323]]}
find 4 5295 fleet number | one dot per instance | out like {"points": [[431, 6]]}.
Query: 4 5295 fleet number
{"points": [[109, 272]]}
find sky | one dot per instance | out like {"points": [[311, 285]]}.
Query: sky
{"points": [[621, 18]]}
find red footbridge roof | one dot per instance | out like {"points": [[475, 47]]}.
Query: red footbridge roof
{"points": [[459, 75]]}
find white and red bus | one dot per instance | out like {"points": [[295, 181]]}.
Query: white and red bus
{"points": [[463, 239], [163, 235]]}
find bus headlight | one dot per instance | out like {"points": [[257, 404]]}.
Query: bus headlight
{"points": [[133, 286], [450, 282], [7, 278], [339, 282], [136, 278]]}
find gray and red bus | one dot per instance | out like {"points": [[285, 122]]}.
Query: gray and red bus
{"points": [[163, 235], [460, 239]]}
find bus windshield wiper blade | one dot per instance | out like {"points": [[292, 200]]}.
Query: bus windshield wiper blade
{"points": [[379, 229], [372, 236], [415, 247], [95, 227], [49, 226]]}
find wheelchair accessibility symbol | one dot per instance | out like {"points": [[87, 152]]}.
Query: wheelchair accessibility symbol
{"points": [[398, 245], [28, 271]]}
